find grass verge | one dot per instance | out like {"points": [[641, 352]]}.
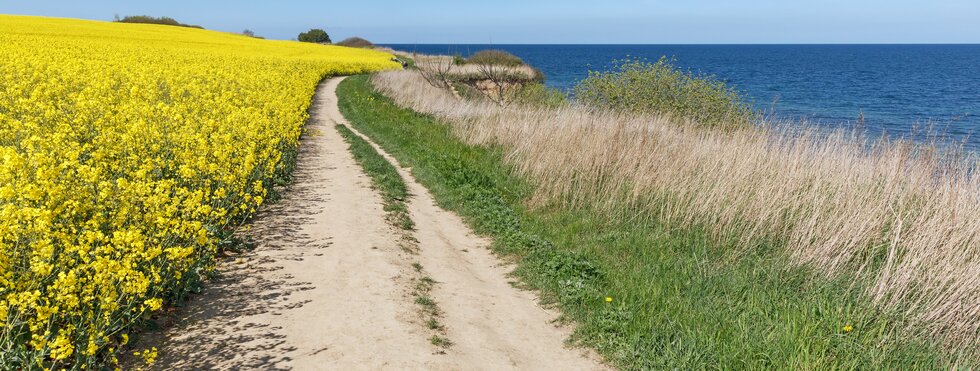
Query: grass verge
{"points": [[678, 299]]}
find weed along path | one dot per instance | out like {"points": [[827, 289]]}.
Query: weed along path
{"points": [[336, 282]]}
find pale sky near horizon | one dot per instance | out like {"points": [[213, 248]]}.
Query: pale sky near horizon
{"points": [[560, 22]]}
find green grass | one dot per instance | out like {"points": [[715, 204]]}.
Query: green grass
{"points": [[433, 324], [409, 62], [440, 341], [384, 176], [424, 301], [680, 300]]}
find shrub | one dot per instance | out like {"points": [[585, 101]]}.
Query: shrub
{"points": [[458, 60], [355, 42], [315, 35], [661, 87], [541, 96], [495, 57], [154, 20], [537, 75], [251, 33]]}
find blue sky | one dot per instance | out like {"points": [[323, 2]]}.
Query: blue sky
{"points": [[569, 21]]}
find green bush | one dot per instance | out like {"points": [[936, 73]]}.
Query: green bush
{"points": [[538, 75], [661, 87], [458, 60], [154, 20], [541, 96], [468, 92], [495, 57], [315, 35]]}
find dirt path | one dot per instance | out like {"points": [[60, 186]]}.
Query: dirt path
{"points": [[329, 287]]}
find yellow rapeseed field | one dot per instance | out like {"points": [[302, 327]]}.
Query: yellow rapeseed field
{"points": [[127, 153]]}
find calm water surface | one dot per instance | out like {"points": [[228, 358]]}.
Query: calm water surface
{"points": [[901, 89]]}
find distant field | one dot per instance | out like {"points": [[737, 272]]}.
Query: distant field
{"points": [[129, 154]]}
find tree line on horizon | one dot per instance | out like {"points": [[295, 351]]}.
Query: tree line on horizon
{"points": [[315, 35]]}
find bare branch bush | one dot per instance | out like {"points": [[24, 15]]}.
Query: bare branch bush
{"points": [[435, 70], [503, 86]]}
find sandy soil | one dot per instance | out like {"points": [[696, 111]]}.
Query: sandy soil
{"points": [[329, 285]]}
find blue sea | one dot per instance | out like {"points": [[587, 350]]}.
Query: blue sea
{"points": [[902, 90]]}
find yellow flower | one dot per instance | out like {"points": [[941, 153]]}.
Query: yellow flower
{"points": [[149, 355], [609, 299], [848, 328], [61, 348], [154, 304], [128, 149]]}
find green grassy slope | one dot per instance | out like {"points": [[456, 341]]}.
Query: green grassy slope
{"points": [[678, 299]]}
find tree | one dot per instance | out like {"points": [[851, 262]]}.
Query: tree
{"points": [[315, 35], [248, 33]]}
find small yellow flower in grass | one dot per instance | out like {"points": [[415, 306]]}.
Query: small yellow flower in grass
{"points": [[609, 299], [149, 355], [848, 328]]}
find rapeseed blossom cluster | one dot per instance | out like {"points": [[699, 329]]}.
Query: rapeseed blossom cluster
{"points": [[127, 153]]}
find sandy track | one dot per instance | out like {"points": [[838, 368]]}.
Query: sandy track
{"points": [[329, 287]]}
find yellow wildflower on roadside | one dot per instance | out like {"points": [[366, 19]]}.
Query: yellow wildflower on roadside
{"points": [[149, 355]]}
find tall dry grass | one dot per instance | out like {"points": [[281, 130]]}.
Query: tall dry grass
{"points": [[470, 71], [900, 218]]}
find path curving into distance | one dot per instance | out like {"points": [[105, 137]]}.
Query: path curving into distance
{"points": [[330, 284]]}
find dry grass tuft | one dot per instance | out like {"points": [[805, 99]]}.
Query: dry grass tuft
{"points": [[903, 219], [472, 71]]}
